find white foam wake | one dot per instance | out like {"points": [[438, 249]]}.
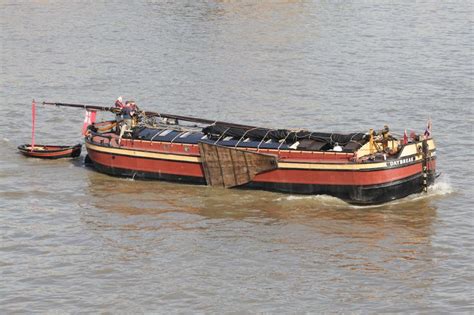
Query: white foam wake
{"points": [[441, 187], [322, 199]]}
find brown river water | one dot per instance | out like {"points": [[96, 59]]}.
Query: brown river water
{"points": [[73, 240]]}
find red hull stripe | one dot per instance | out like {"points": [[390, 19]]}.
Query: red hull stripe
{"points": [[146, 164], [143, 154], [281, 165], [297, 176], [324, 177]]}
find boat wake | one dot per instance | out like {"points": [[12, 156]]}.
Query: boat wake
{"points": [[441, 188], [324, 200]]}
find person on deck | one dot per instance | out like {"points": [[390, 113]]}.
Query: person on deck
{"points": [[385, 137], [128, 111], [136, 113], [132, 105], [119, 102], [118, 106]]}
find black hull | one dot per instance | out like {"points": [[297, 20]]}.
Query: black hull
{"points": [[359, 195], [120, 172]]}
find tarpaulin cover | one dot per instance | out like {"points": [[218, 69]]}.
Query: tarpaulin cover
{"points": [[289, 136]]}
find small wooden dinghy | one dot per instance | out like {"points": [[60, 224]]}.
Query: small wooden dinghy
{"points": [[50, 151]]}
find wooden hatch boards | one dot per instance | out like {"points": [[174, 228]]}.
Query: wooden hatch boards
{"points": [[229, 167]]}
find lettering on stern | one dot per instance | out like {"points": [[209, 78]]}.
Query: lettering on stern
{"points": [[401, 161]]}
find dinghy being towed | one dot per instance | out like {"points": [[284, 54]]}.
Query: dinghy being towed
{"points": [[47, 151], [50, 151]]}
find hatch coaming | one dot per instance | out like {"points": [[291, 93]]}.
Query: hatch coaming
{"points": [[111, 140], [259, 138]]}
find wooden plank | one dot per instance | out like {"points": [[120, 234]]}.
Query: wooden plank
{"points": [[230, 167], [226, 167], [211, 166], [242, 173]]}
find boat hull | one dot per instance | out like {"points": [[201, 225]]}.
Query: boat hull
{"points": [[354, 194], [50, 151], [356, 183]]}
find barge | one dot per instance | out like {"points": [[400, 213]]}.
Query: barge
{"points": [[360, 168]]}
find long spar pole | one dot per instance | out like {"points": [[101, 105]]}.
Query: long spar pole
{"points": [[85, 106], [156, 114]]}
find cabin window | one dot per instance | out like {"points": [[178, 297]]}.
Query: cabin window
{"points": [[228, 138], [247, 140], [268, 141]]}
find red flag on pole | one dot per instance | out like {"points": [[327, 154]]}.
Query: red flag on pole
{"points": [[88, 120], [427, 133], [405, 138], [33, 117]]}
